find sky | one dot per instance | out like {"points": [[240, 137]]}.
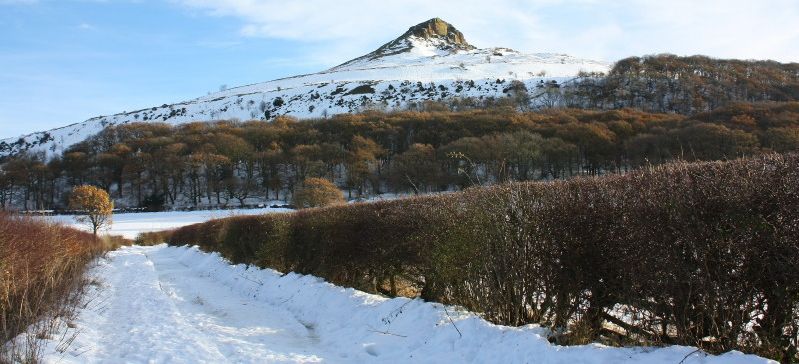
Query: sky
{"points": [[64, 61]]}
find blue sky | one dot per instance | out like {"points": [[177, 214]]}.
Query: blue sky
{"points": [[63, 61]]}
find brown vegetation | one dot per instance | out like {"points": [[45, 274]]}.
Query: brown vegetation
{"points": [[317, 192], [42, 267], [685, 85], [152, 237], [156, 165], [700, 254]]}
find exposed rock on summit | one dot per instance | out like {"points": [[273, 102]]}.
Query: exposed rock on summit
{"points": [[437, 30], [434, 32]]}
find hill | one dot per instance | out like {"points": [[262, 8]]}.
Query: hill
{"points": [[431, 61]]}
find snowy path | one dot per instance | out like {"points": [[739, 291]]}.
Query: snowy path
{"points": [[153, 308], [179, 305]]}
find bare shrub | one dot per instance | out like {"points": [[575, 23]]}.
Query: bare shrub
{"points": [[317, 192], [153, 237]]}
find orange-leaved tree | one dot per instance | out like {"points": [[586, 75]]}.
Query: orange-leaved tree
{"points": [[94, 203], [316, 192]]}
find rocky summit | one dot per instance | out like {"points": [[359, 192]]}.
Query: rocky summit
{"points": [[435, 33], [437, 29]]}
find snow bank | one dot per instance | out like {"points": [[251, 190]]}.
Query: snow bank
{"points": [[371, 328]]}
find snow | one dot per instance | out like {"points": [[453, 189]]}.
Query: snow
{"points": [[395, 79], [180, 305], [131, 224]]}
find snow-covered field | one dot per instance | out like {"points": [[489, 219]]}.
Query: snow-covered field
{"points": [[179, 305], [131, 224]]}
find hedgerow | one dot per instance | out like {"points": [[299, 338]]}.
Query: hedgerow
{"points": [[703, 254]]}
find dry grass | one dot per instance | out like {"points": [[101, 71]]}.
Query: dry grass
{"points": [[153, 238], [42, 266]]}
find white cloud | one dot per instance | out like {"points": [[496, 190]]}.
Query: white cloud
{"points": [[723, 28], [590, 28]]}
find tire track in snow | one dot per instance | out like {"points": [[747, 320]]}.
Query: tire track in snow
{"points": [[156, 310], [244, 330]]}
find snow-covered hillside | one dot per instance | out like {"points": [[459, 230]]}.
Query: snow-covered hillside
{"points": [[432, 61]]}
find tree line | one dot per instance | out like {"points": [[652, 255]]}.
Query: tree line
{"points": [[156, 165], [685, 85]]}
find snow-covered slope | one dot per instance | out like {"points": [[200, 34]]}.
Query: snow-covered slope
{"points": [[432, 61]]}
